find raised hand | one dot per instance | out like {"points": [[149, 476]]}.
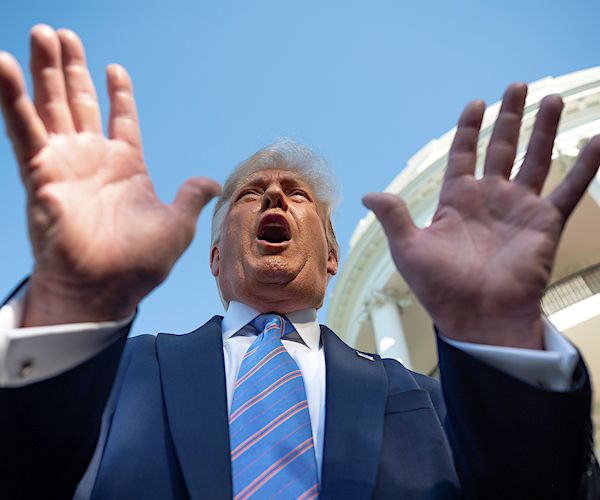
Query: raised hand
{"points": [[481, 267], [101, 238]]}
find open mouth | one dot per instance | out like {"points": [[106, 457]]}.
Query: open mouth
{"points": [[274, 229]]}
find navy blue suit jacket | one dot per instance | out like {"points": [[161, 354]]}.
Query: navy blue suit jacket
{"points": [[151, 422]]}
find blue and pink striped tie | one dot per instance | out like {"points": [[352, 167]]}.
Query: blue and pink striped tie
{"points": [[272, 452]]}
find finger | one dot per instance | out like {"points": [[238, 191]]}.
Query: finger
{"points": [[537, 160], [81, 94], [462, 156], [123, 122], [568, 193], [502, 148], [50, 95], [393, 214], [23, 124], [194, 194]]}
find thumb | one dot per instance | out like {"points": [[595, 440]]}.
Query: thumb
{"points": [[393, 215], [194, 194]]}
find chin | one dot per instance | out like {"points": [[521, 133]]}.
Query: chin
{"points": [[275, 269]]}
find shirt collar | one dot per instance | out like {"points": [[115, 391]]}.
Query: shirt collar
{"points": [[305, 322]]}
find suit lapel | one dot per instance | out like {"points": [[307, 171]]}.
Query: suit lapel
{"points": [[355, 404], [193, 377]]}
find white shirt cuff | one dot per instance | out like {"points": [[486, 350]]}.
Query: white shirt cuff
{"points": [[29, 355], [550, 369]]}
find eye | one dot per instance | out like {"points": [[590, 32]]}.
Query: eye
{"points": [[248, 194], [299, 194]]}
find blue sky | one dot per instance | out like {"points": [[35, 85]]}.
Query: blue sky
{"points": [[364, 83]]}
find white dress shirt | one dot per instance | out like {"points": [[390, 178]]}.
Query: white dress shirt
{"points": [[29, 355]]}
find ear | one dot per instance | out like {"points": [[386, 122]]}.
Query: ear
{"points": [[215, 261], [332, 262]]}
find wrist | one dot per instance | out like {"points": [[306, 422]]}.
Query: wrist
{"points": [[498, 330], [62, 301]]}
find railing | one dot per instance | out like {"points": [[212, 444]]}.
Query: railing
{"points": [[571, 290]]}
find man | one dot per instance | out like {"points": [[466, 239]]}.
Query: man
{"points": [[102, 241]]}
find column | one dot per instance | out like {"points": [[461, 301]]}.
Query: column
{"points": [[387, 326]]}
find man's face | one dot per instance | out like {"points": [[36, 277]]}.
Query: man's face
{"points": [[273, 253]]}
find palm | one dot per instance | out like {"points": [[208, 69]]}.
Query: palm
{"points": [[97, 212], [95, 221], [475, 249], [487, 255]]}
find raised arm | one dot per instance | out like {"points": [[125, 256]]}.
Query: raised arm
{"points": [[101, 238], [480, 270]]}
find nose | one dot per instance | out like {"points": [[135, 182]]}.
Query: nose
{"points": [[274, 197]]}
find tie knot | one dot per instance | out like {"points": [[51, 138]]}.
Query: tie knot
{"points": [[275, 323]]}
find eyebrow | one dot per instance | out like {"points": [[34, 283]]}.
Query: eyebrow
{"points": [[286, 180]]}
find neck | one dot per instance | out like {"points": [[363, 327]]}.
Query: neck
{"points": [[281, 303]]}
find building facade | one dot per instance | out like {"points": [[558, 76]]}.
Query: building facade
{"points": [[376, 311]]}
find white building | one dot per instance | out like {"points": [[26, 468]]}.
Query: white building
{"points": [[374, 309]]}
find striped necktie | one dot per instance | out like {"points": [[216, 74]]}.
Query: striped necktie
{"points": [[272, 452]]}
